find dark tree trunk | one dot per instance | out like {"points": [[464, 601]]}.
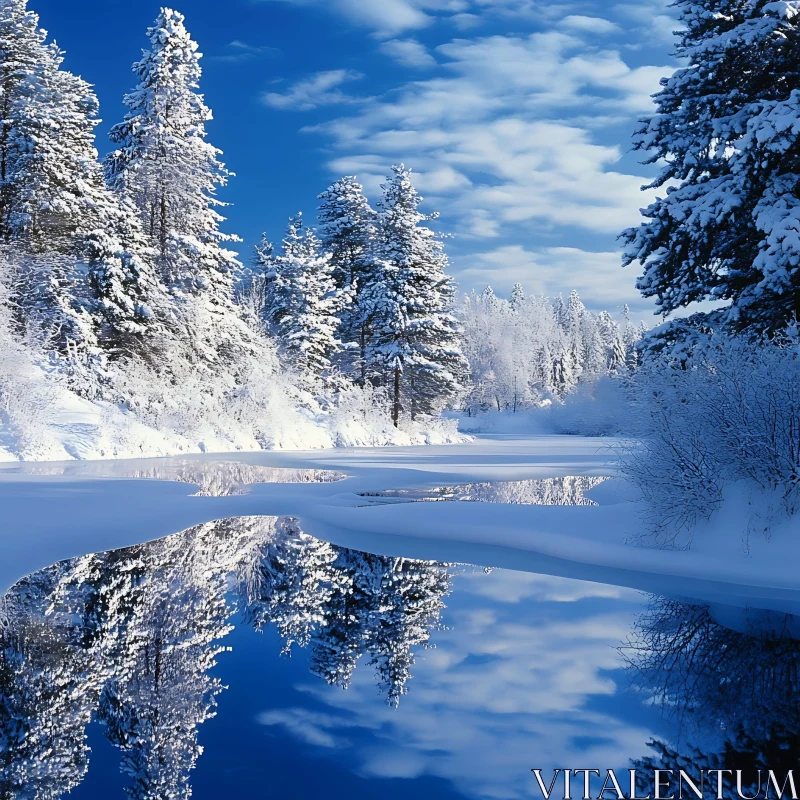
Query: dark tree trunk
{"points": [[396, 403]]}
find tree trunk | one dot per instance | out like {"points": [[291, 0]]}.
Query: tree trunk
{"points": [[163, 228], [363, 355], [396, 403]]}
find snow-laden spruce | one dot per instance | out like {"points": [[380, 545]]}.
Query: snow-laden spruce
{"points": [[414, 349], [727, 129], [303, 303], [168, 171], [56, 214], [347, 228]]}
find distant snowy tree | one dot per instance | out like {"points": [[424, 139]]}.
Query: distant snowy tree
{"points": [[302, 303], [517, 297], [415, 345], [727, 129], [347, 231], [525, 352]]}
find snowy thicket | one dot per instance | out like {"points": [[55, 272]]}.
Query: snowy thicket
{"points": [[699, 663], [527, 351], [732, 416], [369, 302], [130, 638]]}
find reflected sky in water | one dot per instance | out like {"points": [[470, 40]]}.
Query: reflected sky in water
{"points": [[246, 658]]}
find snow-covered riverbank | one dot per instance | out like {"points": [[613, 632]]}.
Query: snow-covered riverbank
{"points": [[55, 511]]}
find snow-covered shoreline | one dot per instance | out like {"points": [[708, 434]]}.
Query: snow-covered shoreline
{"points": [[73, 428], [69, 509]]}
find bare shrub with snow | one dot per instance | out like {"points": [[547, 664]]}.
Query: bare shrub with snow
{"points": [[731, 416]]}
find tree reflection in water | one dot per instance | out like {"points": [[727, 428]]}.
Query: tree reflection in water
{"points": [[129, 638], [730, 679]]}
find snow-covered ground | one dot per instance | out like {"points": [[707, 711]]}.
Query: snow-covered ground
{"points": [[58, 424], [54, 511]]}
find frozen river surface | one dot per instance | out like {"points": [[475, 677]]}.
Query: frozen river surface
{"points": [[427, 622]]}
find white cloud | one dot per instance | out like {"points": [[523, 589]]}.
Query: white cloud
{"points": [[485, 127], [310, 727], [513, 587], [465, 21], [388, 17], [597, 277], [238, 52], [319, 89], [595, 25], [409, 53], [518, 137]]}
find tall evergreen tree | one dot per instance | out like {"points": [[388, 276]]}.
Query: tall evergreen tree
{"points": [[415, 345], [22, 51], [727, 131], [303, 303], [54, 205], [168, 171], [347, 231]]}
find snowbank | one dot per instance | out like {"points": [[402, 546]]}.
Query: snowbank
{"points": [[67, 427]]}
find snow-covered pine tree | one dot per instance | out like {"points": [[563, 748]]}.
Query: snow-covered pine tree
{"points": [[517, 297], [55, 210], [22, 50], [347, 230], [415, 346], [630, 336], [341, 641], [168, 171], [410, 602], [253, 291], [610, 336], [294, 585], [727, 129], [302, 302]]}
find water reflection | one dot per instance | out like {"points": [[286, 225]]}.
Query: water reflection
{"points": [[567, 491], [729, 680], [130, 637], [214, 478]]}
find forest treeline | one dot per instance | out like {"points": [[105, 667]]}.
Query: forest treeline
{"points": [[119, 284]]}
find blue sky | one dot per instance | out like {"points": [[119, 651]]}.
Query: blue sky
{"points": [[516, 115]]}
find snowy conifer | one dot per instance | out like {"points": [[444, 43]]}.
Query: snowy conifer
{"points": [[415, 345], [517, 297], [303, 303], [347, 231], [168, 171], [411, 602], [22, 51], [727, 128]]}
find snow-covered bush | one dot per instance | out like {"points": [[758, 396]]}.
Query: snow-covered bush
{"points": [[25, 395], [731, 416]]}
